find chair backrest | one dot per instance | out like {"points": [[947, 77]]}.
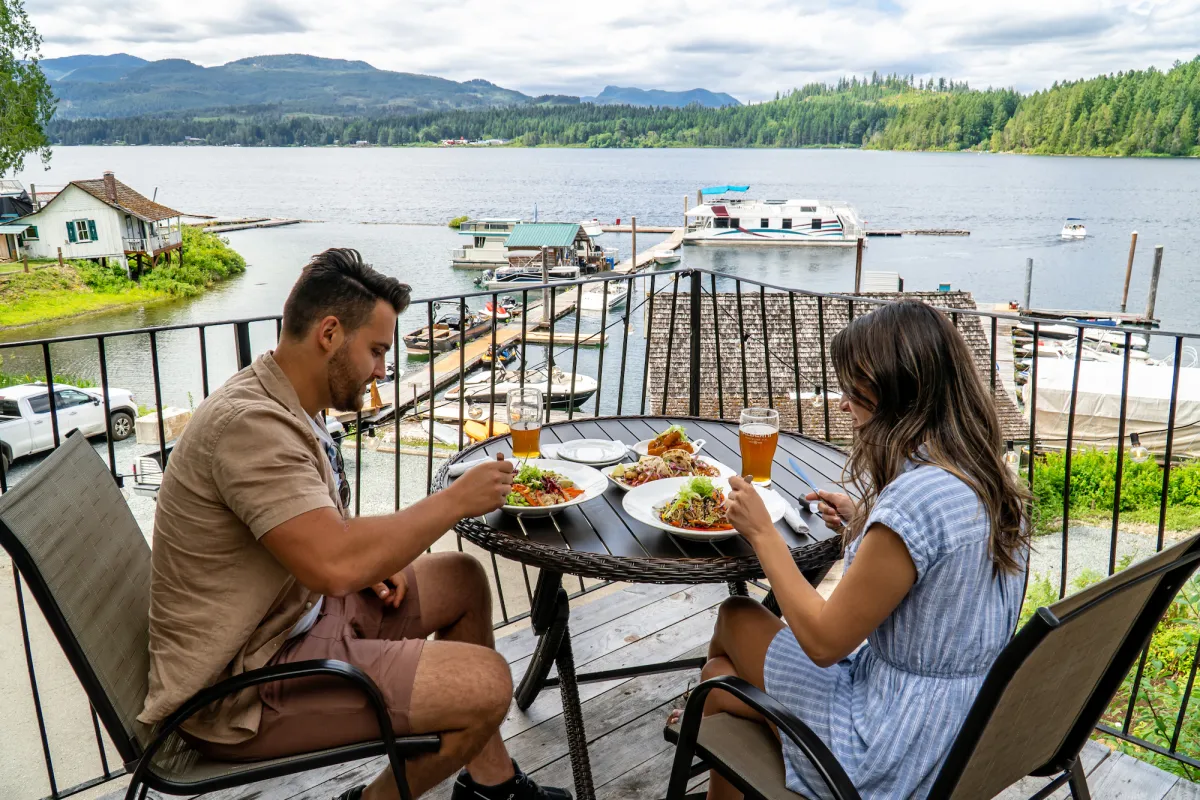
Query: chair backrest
{"points": [[75, 541], [1051, 684]]}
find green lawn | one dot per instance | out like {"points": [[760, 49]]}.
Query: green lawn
{"points": [[42, 307]]}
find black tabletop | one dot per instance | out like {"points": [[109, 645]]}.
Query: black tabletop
{"points": [[599, 539]]}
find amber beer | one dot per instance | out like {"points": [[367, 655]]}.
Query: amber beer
{"points": [[758, 435], [526, 438], [525, 421]]}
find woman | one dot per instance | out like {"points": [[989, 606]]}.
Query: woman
{"points": [[935, 549]]}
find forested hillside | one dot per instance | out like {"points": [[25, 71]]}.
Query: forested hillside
{"points": [[1146, 112]]}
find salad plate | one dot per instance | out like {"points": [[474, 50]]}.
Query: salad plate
{"points": [[692, 499], [544, 486], [675, 464]]}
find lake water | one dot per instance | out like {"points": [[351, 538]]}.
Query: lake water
{"points": [[392, 204]]}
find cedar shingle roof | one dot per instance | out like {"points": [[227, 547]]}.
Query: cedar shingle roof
{"points": [[790, 355], [128, 200]]}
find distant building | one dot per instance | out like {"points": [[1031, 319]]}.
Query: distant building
{"points": [[101, 220], [14, 203]]}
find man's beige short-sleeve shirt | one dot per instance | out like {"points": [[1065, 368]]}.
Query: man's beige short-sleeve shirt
{"points": [[220, 604]]}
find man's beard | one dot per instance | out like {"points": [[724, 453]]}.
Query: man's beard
{"points": [[345, 390]]}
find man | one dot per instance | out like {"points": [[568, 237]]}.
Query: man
{"points": [[256, 562]]}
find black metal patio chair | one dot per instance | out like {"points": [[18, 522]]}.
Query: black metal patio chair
{"points": [[79, 549], [1037, 707]]}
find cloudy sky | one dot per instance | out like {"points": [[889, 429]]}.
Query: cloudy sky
{"points": [[750, 50]]}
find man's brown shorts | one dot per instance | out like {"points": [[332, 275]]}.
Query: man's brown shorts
{"points": [[300, 716]]}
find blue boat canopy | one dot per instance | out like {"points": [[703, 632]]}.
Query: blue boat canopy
{"points": [[1074, 219], [724, 189]]}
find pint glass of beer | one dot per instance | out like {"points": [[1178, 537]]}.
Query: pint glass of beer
{"points": [[525, 421], [758, 434]]}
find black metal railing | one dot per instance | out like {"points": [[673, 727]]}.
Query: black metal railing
{"points": [[691, 342]]}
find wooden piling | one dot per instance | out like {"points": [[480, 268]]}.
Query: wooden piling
{"points": [[1128, 270], [633, 230], [545, 279], [25, 261], [1028, 282], [685, 210], [858, 266], [60, 260], [1158, 253]]}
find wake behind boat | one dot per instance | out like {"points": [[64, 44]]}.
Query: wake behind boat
{"points": [[726, 219]]}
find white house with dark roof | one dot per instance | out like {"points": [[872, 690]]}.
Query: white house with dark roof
{"points": [[102, 220]]}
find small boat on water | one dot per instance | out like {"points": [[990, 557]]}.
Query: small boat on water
{"points": [[503, 310], [725, 218], [664, 257], [594, 299], [517, 277], [508, 354], [1074, 228], [592, 227], [478, 388], [447, 333]]}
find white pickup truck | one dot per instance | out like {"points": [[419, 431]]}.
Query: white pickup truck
{"points": [[25, 426]]}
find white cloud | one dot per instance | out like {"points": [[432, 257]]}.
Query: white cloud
{"points": [[750, 51]]}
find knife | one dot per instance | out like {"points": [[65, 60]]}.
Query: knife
{"points": [[799, 470]]}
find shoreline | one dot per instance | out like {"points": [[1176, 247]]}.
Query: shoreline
{"points": [[92, 312]]}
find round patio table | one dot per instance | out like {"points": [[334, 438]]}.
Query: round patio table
{"points": [[598, 539]]}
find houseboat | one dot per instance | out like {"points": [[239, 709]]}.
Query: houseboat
{"points": [[486, 248], [726, 218]]}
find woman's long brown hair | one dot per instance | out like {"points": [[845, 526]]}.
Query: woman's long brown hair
{"points": [[908, 365]]}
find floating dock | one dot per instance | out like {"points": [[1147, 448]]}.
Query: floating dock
{"points": [[919, 232], [245, 223], [640, 229], [646, 257]]}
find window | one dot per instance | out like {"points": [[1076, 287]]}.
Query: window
{"points": [[9, 408], [787, 223], [81, 230], [809, 209], [816, 223], [39, 404], [66, 398], [764, 223], [480, 241], [734, 222], [31, 233], [721, 222]]}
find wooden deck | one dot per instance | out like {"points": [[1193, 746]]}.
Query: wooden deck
{"points": [[624, 719]]}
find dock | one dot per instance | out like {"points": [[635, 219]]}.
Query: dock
{"points": [[919, 232], [640, 229], [409, 391], [228, 225], [646, 257], [1116, 316]]}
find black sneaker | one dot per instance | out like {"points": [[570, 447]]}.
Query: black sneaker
{"points": [[519, 787], [352, 794]]}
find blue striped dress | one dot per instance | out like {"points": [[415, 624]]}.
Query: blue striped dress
{"points": [[891, 710]]}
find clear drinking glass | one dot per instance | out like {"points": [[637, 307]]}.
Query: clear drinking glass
{"points": [[525, 421], [758, 435]]}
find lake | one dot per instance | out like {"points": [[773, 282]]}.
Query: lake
{"points": [[392, 204]]}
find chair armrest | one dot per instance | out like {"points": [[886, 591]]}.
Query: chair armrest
{"points": [[279, 672], [789, 725]]}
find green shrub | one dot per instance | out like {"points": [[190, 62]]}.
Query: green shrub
{"points": [[207, 259], [457, 221]]}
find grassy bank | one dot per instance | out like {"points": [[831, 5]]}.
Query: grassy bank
{"points": [[83, 287]]}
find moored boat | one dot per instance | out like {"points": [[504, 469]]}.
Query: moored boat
{"points": [[559, 390], [446, 334], [725, 218]]}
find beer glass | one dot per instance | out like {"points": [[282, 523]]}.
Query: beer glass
{"points": [[758, 434], [525, 421]]}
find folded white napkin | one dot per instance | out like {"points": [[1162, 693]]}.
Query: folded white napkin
{"points": [[792, 517]]}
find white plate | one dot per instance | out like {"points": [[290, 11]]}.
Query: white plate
{"points": [[642, 448], [723, 473], [641, 502], [586, 478], [596, 452]]}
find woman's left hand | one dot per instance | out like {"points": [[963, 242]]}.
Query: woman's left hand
{"points": [[747, 512]]}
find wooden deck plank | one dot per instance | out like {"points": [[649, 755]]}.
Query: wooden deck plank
{"points": [[1123, 777], [1093, 755]]}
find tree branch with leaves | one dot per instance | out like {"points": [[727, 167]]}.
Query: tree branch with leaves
{"points": [[26, 102]]}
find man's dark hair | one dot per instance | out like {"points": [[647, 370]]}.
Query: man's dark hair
{"points": [[337, 283]]}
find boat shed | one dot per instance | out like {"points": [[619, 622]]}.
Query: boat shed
{"points": [[566, 244]]}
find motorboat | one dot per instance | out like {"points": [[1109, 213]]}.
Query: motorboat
{"points": [[518, 277], [557, 389], [726, 218], [1074, 228], [593, 296], [664, 257], [447, 333], [592, 227]]}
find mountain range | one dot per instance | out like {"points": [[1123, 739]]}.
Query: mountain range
{"points": [[122, 85]]}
